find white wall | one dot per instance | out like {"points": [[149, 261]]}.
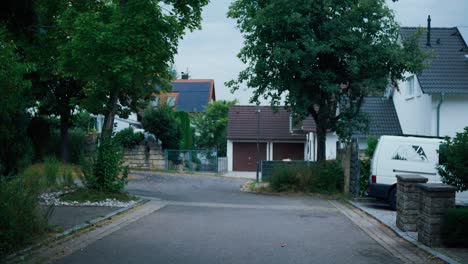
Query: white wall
{"points": [[229, 154], [414, 111], [453, 114], [122, 123], [330, 146]]}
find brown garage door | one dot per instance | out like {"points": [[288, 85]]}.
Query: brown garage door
{"points": [[292, 151], [244, 155]]}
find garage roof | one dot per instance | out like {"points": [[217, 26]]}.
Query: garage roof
{"points": [[242, 121]]}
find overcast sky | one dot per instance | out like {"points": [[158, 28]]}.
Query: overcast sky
{"points": [[210, 53]]}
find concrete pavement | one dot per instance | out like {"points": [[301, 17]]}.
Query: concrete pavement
{"points": [[207, 220]]}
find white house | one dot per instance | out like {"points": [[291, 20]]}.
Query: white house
{"points": [[435, 102]]}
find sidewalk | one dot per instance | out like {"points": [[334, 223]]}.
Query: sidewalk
{"points": [[382, 212], [69, 216]]}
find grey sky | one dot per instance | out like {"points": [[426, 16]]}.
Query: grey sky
{"points": [[210, 53]]}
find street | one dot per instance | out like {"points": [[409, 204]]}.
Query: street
{"points": [[208, 220]]}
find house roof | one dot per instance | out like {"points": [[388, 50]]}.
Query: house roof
{"points": [[242, 121], [448, 69], [383, 118], [193, 94], [242, 124]]}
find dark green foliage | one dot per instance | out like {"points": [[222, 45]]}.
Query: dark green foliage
{"points": [[187, 133], [39, 133], [324, 55], [105, 172], [322, 177], [128, 138], [453, 161], [211, 126], [365, 164], [162, 123], [20, 219], [84, 121], [51, 171], [76, 144], [455, 228], [15, 150]]}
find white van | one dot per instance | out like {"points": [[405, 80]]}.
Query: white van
{"points": [[402, 155]]}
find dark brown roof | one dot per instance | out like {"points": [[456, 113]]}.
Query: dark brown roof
{"points": [[242, 124]]}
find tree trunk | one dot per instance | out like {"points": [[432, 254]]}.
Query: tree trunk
{"points": [[321, 141], [108, 125], [64, 125]]}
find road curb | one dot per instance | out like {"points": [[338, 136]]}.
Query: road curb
{"points": [[75, 229], [416, 243]]}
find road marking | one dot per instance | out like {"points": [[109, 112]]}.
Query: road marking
{"points": [[388, 239], [255, 206]]}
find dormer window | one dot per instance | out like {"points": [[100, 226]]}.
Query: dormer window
{"points": [[295, 123], [410, 86]]}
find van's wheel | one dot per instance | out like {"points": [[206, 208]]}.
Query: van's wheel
{"points": [[392, 198]]}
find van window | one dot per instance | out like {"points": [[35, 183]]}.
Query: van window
{"points": [[410, 153]]}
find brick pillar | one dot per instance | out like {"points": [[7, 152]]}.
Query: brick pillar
{"points": [[408, 201], [436, 198]]}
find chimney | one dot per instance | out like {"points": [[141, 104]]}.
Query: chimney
{"points": [[428, 31], [184, 75]]}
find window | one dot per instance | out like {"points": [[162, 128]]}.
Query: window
{"points": [[171, 100], [410, 83], [155, 102]]}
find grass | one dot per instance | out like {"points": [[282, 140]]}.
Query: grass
{"points": [[84, 195]]}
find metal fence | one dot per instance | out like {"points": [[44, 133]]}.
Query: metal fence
{"points": [[191, 160], [222, 164]]}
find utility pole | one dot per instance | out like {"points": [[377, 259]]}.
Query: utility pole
{"points": [[258, 144]]}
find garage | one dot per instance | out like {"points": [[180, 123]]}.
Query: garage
{"points": [[292, 151], [245, 155]]}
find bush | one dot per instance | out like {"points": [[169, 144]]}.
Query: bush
{"points": [[453, 161], [128, 138], [162, 123], [76, 144], [365, 164], [20, 218], [105, 172], [455, 228], [322, 177]]}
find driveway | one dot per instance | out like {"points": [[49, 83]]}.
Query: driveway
{"points": [[207, 220]]}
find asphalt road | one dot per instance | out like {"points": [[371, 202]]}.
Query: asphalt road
{"points": [[209, 221]]}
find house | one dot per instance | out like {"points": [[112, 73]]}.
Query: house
{"points": [[435, 102], [189, 95], [279, 140]]}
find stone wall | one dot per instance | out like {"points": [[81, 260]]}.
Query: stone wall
{"points": [[146, 156], [408, 201]]}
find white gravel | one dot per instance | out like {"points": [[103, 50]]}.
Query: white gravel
{"points": [[53, 198]]}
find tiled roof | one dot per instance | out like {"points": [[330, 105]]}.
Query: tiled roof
{"points": [[242, 121], [448, 70], [194, 95], [242, 124], [383, 118]]}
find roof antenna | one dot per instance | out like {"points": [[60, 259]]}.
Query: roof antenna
{"points": [[428, 43]]}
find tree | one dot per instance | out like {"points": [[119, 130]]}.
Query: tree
{"points": [[162, 123], [453, 161], [15, 148], [324, 55], [211, 126], [57, 93], [123, 49]]}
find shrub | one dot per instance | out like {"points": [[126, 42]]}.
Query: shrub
{"points": [[455, 228], [162, 123], [105, 172], [76, 144], [20, 219], [323, 177], [365, 164], [453, 161], [128, 138]]}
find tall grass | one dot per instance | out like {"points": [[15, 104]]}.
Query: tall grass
{"points": [[20, 218], [51, 171]]}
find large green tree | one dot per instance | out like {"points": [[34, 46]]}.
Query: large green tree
{"points": [[123, 49], [211, 126], [325, 56], [14, 99]]}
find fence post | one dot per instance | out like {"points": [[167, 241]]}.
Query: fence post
{"points": [[190, 160], [166, 163]]}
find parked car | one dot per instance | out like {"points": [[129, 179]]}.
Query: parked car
{"points": [[402, 155]]}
